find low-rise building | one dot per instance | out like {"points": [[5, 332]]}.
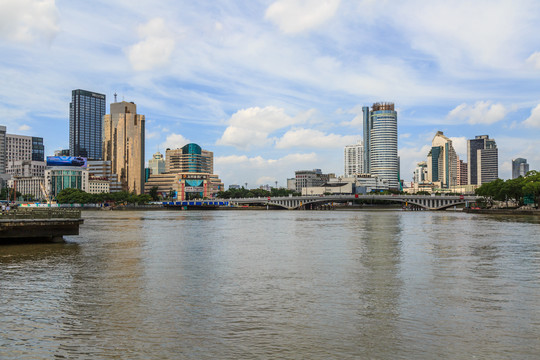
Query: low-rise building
{"points": [[58, 178], [183, 186], [28, 185], [98, 186]]}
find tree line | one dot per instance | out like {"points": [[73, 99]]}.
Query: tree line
{"points": [[76, 196], [516, 190]]}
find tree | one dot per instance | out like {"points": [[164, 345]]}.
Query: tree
{"points": [[154, 193]]}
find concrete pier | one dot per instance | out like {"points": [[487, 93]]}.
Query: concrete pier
{"points": [[39, 225]]}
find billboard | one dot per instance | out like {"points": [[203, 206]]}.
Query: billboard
{"points": [[66, 161]]}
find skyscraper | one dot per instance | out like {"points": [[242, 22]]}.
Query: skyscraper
{"points": [[86, 112], [354, 159], [123, 145], [442, 161], [482, 160], [520, 167], [380, 138], [3, 155]]}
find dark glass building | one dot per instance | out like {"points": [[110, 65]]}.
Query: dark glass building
{"points": [[38, 150], [86, 112]]}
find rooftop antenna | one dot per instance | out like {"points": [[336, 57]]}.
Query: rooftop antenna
{"points": [[114, 97]]}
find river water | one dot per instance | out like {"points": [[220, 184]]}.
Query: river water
{"points": [[276, 285]]}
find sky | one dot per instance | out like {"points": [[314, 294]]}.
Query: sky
{"points": [[274, 86]]}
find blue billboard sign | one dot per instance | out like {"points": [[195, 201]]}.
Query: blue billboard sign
{"points": [[66, 161]]}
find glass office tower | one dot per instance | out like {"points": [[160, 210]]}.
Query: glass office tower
{"points": [[380, 138], [86, 112]]}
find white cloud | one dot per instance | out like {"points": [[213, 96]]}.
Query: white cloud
{"points": [[409, 158], [294, 16], [314, 139], [27, 21], [24, 127], [534, 119], [154, 49], [482, 112], [249, 128], [174, 141], [534, 59], [239, 169], [152, 135], [460, 145]]}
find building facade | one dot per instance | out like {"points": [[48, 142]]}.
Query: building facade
{"points": [[442, 161], [185, 186], [28, 185], [189, 158], [380, 142], [354, 159], [462, 173], [310, 178], [482, 160], [520, 167], [58, 178], [86, 112], [101, 170], [157, 164], [3, 155], [26, 168], [123, 145], [420, 174]]}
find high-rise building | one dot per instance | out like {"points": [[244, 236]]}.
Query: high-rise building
{"points": [[462, 172], [380, 142], [520, 167], [189, 158], [482, 159], [24, 155], [354, 159], [123, 144], [157, 164], [442, 161], [420, 174], [86, 112], [3, 155]]}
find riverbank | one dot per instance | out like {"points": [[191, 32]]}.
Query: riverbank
{"points": [[502, 211]]}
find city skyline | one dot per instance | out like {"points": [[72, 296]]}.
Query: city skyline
{"points": [[277, 86]]}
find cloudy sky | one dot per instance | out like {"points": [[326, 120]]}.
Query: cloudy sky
{"points": [[274, 86]]}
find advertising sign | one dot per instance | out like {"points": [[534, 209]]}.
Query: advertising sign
{"points": [[194, 189], [66, 161]]}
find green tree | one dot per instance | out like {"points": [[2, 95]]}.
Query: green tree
{"points": [[154, 193]]}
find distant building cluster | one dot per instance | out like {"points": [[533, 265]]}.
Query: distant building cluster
{"points": [[370, 165], [445, 171], [106, 154]]}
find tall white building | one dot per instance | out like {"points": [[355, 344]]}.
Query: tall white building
{"points": [[354, 159], [380, 142]]}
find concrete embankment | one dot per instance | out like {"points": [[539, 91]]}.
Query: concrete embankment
{"points": [[502, 211], [37, 225]]}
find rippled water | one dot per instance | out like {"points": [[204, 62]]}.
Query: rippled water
{"points": [[276, 284]]}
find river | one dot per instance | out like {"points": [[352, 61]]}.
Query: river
{"points": [[276, 285]]}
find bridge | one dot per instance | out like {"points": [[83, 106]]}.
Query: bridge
{"points": [[427, 202]]}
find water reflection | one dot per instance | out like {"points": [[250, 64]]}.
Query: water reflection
{"points": [[272, 284]]}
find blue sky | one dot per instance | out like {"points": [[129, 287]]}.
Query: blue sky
{"points": [[276, 86]]}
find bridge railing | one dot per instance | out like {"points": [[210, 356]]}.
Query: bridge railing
{"points": [[40, 213]]}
